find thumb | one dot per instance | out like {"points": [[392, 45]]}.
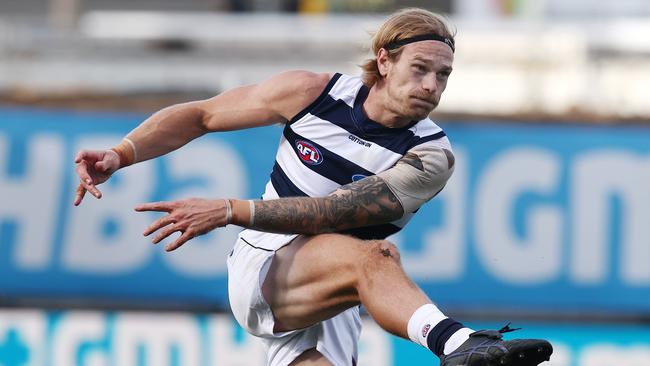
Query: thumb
{"points": [[100, 166]]}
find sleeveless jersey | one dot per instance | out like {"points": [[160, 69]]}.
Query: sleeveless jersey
{"points": [[332, 143]]}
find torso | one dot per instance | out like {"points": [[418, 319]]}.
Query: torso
{"points": [[332, 143]]}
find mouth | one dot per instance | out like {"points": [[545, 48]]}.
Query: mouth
{"points": [[428, 102]]}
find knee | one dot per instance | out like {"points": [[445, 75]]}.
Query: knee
{"points": [[383, 250]]}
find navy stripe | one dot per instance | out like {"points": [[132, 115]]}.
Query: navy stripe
{"points": [[333, 166], [435, 136], [264, 249], [373, 232], [283, 185], [340, 114], [321, 97], [441, 333], [398, 140]]}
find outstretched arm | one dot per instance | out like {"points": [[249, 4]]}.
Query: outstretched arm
{"points": [[275, 100]]}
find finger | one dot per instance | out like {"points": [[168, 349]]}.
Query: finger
{"points": [[155, 206], [91, 188], [180, 241], [81, 155], [82, 171], [79, 196], [167, 231], [162, 222]]}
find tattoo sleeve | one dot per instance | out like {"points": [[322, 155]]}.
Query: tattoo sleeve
{"points": [[362, 203]]}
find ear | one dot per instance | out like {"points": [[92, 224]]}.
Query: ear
{"points": [[383, 62]]}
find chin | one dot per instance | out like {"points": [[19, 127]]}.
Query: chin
{"points": [[420, 115]]}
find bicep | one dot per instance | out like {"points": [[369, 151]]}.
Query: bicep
{"points": [[420, 175], [274, 100]]}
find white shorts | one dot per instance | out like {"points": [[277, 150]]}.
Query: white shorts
{"points": [[248, 264]]}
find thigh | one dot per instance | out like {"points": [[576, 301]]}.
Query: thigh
{"points": [[313, 279]]}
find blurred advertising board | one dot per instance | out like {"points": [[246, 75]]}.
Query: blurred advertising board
{"points": [[85, 338], [536, 217]]}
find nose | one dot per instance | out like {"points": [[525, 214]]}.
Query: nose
{"points": [[429, 83]]}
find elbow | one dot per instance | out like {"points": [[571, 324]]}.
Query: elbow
{"points": [[197, 114]]}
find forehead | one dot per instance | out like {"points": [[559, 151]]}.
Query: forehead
{"points": [[431, 51]]}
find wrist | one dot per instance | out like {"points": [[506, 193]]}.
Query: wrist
{"points": [[126, 152], [242, 212]]}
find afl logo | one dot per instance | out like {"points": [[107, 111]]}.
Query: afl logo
{"points": [[357, 177], [308, 153]]}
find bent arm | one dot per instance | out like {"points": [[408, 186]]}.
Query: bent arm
{"points": [[362, 203], [416, 178], [275, 100]]}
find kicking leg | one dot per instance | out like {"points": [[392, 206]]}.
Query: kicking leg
{"points": [[317, 277]]}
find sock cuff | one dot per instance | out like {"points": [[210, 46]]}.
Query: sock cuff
{"points": [[441, 333], [425, 318]]}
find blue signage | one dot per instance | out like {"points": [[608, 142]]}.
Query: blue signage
{"points": [[536, 217], [78, 338]]}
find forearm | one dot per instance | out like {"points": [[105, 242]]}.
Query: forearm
{"points": [[163, 132], [355, 205]]}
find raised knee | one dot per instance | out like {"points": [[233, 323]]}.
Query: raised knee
{"points": [[383, 249]]}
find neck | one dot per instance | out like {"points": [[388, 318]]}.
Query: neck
{"points": [[377, 107]]}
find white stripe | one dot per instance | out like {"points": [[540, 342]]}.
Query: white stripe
{"points": [[442, 143], [308, 181], [269, 192], [346, 88], [375, 158], [424, 128]]}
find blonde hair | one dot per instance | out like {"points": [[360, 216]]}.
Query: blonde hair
{"points": [[402, 24]]}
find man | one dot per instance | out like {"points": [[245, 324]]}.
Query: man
{"points": [[357, 158]]}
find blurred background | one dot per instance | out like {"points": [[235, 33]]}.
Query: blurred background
{"points": [[545, 222]]}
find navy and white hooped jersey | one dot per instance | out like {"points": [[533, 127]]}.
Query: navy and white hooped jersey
{"points": [[332, 143]]}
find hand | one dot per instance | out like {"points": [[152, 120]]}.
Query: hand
{"points": [[192, 217], [93, 168]]}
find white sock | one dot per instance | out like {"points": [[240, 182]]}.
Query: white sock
{"points": [[457, 339], [424, 319]]}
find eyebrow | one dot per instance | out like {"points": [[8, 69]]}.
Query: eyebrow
{"points": [[425, 60], [422, 59]]}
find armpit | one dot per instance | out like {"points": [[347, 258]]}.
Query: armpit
{"points": [[420, 175]]}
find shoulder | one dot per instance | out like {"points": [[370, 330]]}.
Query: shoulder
{"points": [[292, 91], [299, 82]]}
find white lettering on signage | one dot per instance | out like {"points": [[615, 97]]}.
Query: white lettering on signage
{"points": [[223, 176], [124, 338], [85, 248], [536, 257], [75, 329], [31, 200], [444, 246], [604, 192], [23, 336], [599, 177], [156, 335]]}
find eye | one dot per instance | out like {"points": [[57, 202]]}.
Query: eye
{"points": [[419, 68], [443, 75]]}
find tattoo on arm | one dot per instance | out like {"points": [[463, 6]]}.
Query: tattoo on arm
{"points": [[413, 160], [362, 203]]}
